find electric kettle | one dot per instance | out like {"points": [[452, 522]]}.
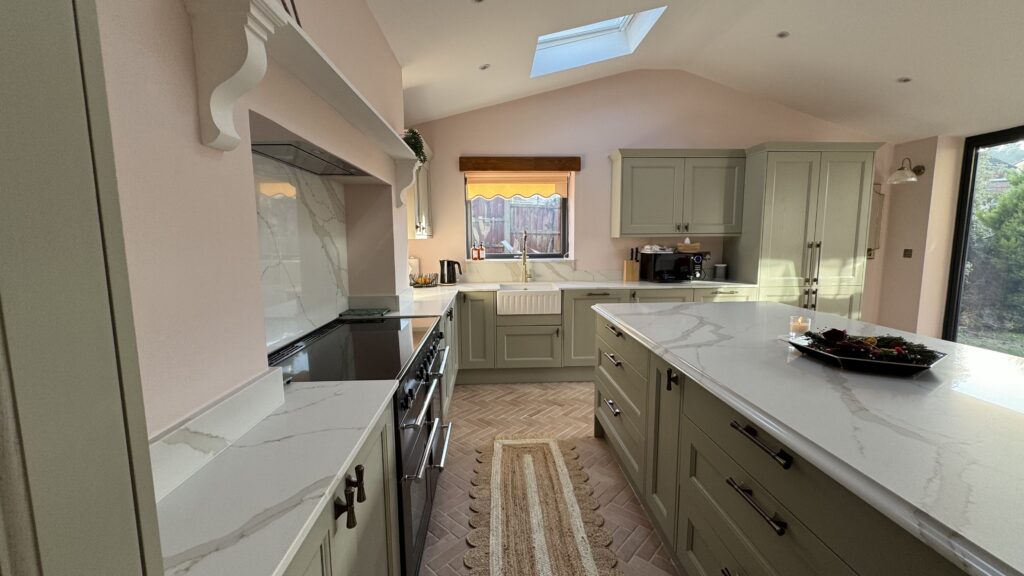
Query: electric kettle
{"points": [[448, 268]]}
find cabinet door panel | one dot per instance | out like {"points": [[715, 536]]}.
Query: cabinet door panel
{"points": [[713, 196], [652, 195], [529, 347], [792, 295], [844, 200], [664, 413], [843, 301], [791, 193], [579, 344], [476, 330]]}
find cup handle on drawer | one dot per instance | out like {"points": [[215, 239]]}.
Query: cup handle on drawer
{"points": [[611, 406], [778, 526], [781, 457]]}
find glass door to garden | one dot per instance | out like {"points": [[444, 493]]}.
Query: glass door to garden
{"points": [[986, 298]]}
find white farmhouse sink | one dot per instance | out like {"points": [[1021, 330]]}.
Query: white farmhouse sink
{"points": [[520, 299]]}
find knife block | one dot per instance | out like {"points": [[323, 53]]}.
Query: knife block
{"points": [[630, 271]]}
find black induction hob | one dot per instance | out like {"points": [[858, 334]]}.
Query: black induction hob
{"points": [[378, 349]]}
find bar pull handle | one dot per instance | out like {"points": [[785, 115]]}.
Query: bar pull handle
{"points": [[671, 377], [726, 572], [807, 266], [444, 362], [444, 451], [807, 299], [817, 267], [418, 423], [725, 291], [422, 468], [814, 293], [611, 406], [358, 483], [558, 332], [778, 526], [615, 362], [598, 294], [781, 457], [346, 506], [614, 330], [686, 227], [679, 227]]}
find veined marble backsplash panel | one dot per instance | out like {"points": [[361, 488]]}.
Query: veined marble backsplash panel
{"points": [[540, 271], [303, 249]]}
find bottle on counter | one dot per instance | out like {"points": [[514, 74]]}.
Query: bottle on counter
{"points": [[483, 252]]}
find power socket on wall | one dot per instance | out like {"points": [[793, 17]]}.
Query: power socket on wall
{"points": [[908, 253]]}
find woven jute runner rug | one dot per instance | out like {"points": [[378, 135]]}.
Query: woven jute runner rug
{"points": [[534, 513]]}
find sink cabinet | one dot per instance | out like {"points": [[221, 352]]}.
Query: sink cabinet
{"points": [[676, 192], [529, 347], [477, 317]]}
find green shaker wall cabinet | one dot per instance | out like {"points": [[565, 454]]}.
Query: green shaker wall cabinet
{"points": [[477, 315], [578, 319], [664, 412], [806, 215], [677, 192], [358, 534]]}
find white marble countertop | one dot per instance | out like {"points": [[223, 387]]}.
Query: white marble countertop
{"points": [[941, 454], [251, 507]]}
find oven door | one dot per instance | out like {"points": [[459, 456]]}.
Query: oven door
{"points": [[419, 435]]}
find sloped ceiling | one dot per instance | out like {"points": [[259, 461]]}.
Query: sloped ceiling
{"points": [[840, 62]]}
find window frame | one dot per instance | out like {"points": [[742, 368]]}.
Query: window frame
{"points": [[964, 212], [539, 256]]}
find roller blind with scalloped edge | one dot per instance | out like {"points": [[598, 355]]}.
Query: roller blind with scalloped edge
{"points": [[489, 185]]}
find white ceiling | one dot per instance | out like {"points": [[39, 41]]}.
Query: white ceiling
{"points": [[966, 57]]}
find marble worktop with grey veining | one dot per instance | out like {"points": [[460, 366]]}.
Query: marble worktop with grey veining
{"points": [[247, 511], [942, 453]]}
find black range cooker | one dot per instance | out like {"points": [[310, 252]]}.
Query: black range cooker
{"points": [[412, 351]]}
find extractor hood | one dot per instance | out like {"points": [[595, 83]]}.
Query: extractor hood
{"points": [[274, 141]]}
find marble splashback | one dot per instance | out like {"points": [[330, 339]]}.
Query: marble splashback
{"points": [[540, 271], [303, 249]]}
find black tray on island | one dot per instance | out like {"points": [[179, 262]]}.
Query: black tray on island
{"points": [[812, 344]]}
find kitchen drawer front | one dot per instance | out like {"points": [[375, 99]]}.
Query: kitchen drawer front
{"points": [[725, 294], [702, 552], [711, 474], [865, 539], [628, 448], [623, 346], [629, 388]]}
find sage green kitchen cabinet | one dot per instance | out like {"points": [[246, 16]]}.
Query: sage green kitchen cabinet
{"points": [[844, 213], [841, 300], [450, 329], [578, 345], [790, 211], [477, 315], [677, 192], [664, 413], [529, 347], [369, 545], [725, 294], [792, 295], [649, 295], [713, 196]]}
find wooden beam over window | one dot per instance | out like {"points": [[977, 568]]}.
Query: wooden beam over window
{"points": [[520, 163]]}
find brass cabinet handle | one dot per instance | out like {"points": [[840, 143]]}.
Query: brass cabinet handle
{"points": [[611, 406], [748, 495], [346, 506], [780, 456], [671, 377], [614, 360], [614, 330]]}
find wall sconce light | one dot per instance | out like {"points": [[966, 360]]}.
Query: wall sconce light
{"points": [[906, 173]]}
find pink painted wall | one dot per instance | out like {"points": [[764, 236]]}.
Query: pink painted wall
{"points": [[640, 109], [189, 211], [921, 217]]}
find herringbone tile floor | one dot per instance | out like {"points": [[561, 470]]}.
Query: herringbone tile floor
{"points": [[559, 410]]}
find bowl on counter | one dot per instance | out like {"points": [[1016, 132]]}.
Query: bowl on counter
{"points": [[423, 280]]}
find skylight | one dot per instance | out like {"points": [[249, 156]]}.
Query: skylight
{"points": [[590, 43]]}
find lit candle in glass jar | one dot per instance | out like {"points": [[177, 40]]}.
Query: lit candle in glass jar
{"points": [[798, 325]]}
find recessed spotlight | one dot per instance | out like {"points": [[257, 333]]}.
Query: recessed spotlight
{"points": [[904, 79], [485, 66], [783, 34]]}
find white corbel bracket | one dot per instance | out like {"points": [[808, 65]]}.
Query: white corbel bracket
{"points": [[229, 39]]}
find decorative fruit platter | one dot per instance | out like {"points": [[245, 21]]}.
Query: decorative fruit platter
{"points": [[890, 355]]}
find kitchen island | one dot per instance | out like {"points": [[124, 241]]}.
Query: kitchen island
{"points": [[939, 454]]}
